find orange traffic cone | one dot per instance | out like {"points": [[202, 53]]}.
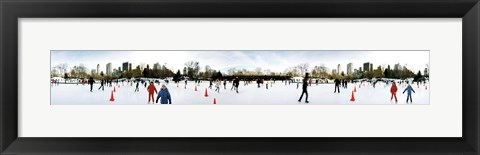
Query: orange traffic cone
{"points": [[206, 93], [353, 97], [114, 89], [214, 101], [195, 88], [111, 97], [354, 89]]}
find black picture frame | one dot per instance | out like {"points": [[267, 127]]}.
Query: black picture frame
{"points": [[11, 10]]}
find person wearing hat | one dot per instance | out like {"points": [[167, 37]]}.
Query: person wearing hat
{"points": [[164, 95]]}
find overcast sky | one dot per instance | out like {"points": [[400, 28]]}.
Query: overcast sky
{"points": [[276, 61]]}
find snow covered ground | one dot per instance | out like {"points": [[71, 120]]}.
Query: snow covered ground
{"points": [[277, 94]]}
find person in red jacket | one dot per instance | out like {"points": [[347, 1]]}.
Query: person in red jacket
{"points": [[151, 90], [393, 90]]}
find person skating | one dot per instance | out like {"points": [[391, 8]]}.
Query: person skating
{"points": [[210, 86], [151, 90], [136, 87], [393, 91], [236, 83], [225, 84], [304, 89], [101, 85], [185, 82], [337, 86], [217, 85], [164, 95], [90, 82], [409, 90]]}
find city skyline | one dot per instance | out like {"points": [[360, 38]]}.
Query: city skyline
{"points": [[275, 61]]}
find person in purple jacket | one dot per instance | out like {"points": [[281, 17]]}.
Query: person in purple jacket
{"points": [[164, 95], [409, 90]]}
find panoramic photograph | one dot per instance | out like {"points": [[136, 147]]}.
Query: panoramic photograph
{"points": [[239, 77]]}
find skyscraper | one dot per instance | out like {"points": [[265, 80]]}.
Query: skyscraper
{"points": [[366, 66], [338, 69], [371, 67], [397, 67], [349, 68], [98, 68], [109, 69], [125, 66], [156, 66], [129, 66]]}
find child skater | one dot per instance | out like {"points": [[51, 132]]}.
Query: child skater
{"points": [[409, 90], [151, 89], [164, 95], [393, 90]]}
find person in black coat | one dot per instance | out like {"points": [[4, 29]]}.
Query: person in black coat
{"points": [[101, 85], [304, 89], [90, 82], [136, 87], [236, 83], [337, 86]]}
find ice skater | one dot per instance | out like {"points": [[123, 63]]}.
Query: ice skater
{"points": [[136, 87], [90, 82], [236, 83], [225, 84], [217, 85], [409, 90], [151, 90], [210, 86], [393, 91], [101, 85], [164, 95], [337, 86], [304, 89]]}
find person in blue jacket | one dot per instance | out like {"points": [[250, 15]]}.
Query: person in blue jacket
{"points": [[409, 90], [164, 95]]}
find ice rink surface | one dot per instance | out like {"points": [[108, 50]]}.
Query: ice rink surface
{"points": [[277, 94]]}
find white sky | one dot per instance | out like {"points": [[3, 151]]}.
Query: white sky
{"points": [[276, 61]]}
